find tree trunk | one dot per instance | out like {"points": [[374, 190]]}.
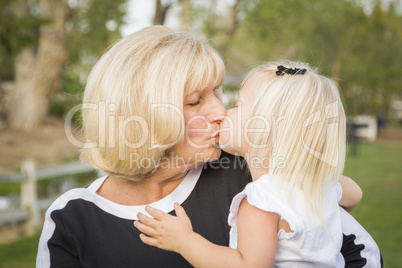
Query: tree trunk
{"points": [[160, 12], [38, 72], [185, 14], [235, 23], [342, 53]]}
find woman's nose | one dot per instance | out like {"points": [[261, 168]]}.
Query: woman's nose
{"points": [[217, 111]]}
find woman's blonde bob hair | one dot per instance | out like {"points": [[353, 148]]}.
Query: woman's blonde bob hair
{"points": [[310, 128], [135, 93]]}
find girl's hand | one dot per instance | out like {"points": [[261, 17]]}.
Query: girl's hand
{"points": [[165, 231]]}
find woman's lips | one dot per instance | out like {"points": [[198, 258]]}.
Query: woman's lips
{"points": [[215, 134]]}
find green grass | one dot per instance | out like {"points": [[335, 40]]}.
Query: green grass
{"points": [[43, 186], [19, 254], [377, 169]]}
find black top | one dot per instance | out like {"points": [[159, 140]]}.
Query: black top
{"points": [[83, 229]]}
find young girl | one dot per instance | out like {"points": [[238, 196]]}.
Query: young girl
{"points": [[289, 125]]}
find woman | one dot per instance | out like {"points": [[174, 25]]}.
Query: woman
{"points": [[150, 133], [151, 120]]}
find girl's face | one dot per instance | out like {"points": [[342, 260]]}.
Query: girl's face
{"points": [[235, 135]]}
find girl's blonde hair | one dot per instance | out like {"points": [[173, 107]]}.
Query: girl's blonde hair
{"points": [[135, 93], [308, 129]]}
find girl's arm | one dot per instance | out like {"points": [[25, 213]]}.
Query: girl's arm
{"points": [[351, 194], [257, 231]]}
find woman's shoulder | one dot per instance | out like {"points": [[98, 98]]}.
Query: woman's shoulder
{"points": [[227, 161], [86, 193], [228, 167]]}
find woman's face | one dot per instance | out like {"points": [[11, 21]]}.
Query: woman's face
{"points": [[203, 112]]}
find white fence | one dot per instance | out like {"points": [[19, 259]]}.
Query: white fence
{"points": [[366, 127], [31, 207]]}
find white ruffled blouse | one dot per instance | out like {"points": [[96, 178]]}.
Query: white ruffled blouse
{"points": [[309, 245]]}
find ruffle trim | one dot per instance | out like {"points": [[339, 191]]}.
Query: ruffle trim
{"points": [[260, 194]]}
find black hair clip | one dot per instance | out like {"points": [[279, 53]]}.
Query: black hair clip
{"points": [[282, 70]]}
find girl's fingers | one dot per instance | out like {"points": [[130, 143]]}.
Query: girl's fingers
{"points": [[156, 213], [148, 240], [180, 212], [144, 228], [147, 220]]}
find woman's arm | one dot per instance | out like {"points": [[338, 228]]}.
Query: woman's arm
{"points": [[257, 230], [351, 194], [55, 248]]}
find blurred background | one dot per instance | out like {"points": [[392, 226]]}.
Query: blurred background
{"points": [[48, 48]]}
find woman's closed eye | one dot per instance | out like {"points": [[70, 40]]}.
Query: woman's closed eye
{"points": [[195, 103], [216, 92]]}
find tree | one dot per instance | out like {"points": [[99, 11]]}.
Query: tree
{"points": [[161, 11], [38, 70], [163, 6], [357, 44], [186, 14], [62, 38], [224, 27]]}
